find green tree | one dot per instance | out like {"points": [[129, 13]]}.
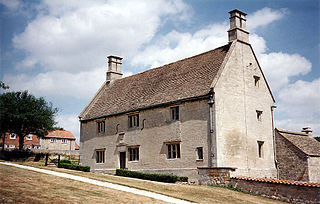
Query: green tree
{"points": [[317, 138], [22, 113], [3, 86]]}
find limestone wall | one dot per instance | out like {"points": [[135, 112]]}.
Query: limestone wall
{"points": [[314, 169], [238, 131], [156, 129]]}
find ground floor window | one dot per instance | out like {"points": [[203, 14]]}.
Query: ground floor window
{"points": [[173, 151], [134, 154], [100, 156], [200, 153]]}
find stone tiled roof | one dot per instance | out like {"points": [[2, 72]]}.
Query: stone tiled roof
{"points": [[273, 180], [187, 78], [60, 134], [305, 143]]}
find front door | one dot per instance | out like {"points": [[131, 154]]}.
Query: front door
{"points": [[122, 160]]}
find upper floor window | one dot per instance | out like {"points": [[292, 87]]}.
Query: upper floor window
{"points": [[36, 147], [29, 137], [133, 120], [259, 115], [64, 140], [174, 113], [256, 81], [133, 154], [173, 151], [200, 153], [100, 156], [13, 136], [53, 139], [101, 126], [260, 149]]}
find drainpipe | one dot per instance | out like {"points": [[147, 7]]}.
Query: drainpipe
{"points": [[274, 142], [210, 151]]}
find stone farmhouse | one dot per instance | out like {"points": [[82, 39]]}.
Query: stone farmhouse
{"points": [[213, 110], [298, 155]]}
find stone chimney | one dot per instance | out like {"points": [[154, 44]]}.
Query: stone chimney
{"points": [[114, 68], [307, 130], [237, 30]]}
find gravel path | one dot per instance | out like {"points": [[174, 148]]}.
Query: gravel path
{"points": [[101, 183]]}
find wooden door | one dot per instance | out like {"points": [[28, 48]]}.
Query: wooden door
{"points": [[122, 160]]}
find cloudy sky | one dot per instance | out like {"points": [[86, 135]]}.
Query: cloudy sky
{"points": [[57, 49]]}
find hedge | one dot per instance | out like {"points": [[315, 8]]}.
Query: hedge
{"points": [[153, 177], [74, 167]]}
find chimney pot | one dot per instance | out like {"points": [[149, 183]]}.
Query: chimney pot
{"points": [[307, 130]]}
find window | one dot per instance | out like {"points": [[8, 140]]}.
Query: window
{"points": [[64, 140], [28, 147], [13, 136], [134, 154], [200, 153], [100, 156], [174, 113], [53, 139], [133, 120], [259, 115], [101, 126], [12, 146], [173, 151], [256, 81], [36, 147], [260, 149], [29, 137]]}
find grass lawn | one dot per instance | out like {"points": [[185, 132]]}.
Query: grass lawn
{"points": [[195, 193], [24, 186]]}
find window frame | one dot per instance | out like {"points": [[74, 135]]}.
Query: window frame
{"points": [[28, 147], [29, 137], [100, 156], [199, 153], [101, 126], [12, 146], [259, 115], [173, 150], [13, 136], [175, 113], [260, 149], [64, 140], [133, 120], [53, 140], [134, 154], [256, 81]]}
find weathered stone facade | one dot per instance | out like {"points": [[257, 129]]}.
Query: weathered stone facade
{"points": [[224, 115], [298, 156]]}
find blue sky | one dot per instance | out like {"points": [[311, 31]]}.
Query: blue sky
{"points": [[58, 49]]}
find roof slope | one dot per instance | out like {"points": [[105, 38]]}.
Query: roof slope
{"points": [[302, 141], [61, 134], [187, 78]]}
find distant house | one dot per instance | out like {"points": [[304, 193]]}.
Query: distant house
{"points": [[298, 155], [31, 141], [212, 110], [58, 141], [77, 146]]}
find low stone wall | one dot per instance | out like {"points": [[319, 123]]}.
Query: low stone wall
{"points": [[290, 191], [214, 176]]}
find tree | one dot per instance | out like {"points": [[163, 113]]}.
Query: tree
{"points": [[22, 113], [3, 86]]}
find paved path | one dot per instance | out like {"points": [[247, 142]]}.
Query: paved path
{"points": [[104, 184]]}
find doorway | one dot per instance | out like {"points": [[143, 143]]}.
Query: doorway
{"points": [[122, 160]]}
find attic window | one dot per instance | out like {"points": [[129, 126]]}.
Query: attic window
{"points": [[256, 81], [259, 115], [260, 149], [174, 113], [101, 126], [133, 120]]}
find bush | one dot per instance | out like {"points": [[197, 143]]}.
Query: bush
{"points": [[65, 161], [74, 167], [16, 155], [153, 177]]}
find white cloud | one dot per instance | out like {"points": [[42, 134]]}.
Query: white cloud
{"points": [[176, 45], [76, 35], [299, 106], [69, 122], [264, 17], [80, 85]]}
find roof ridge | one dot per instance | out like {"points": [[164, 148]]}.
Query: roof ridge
{"points": [[291, 132], [187, 58]]}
